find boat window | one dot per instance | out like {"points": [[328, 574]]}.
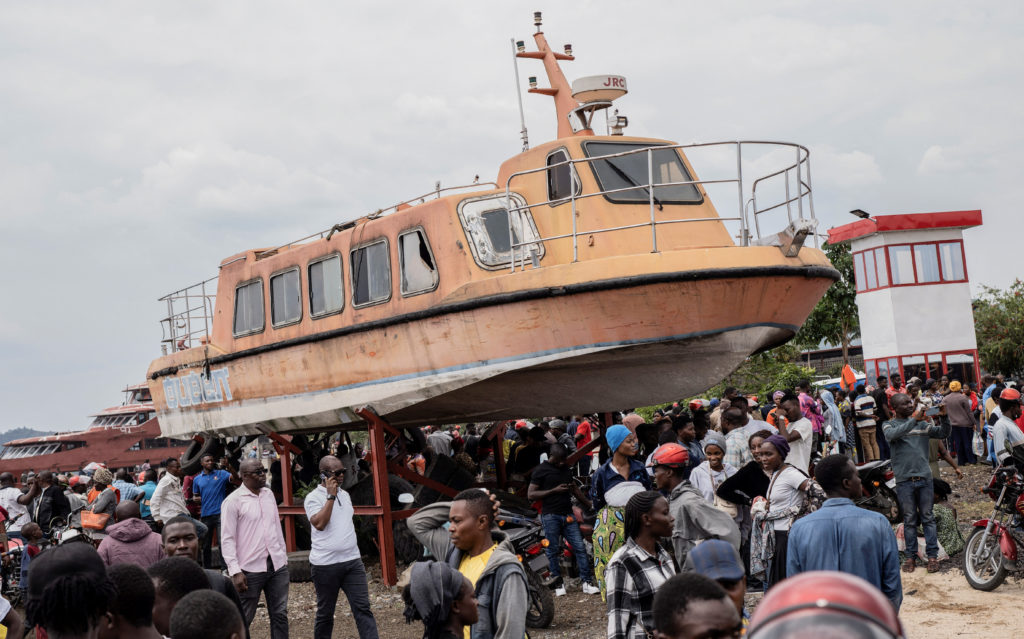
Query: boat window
{"points": [[249, 308], [419, 274], [631, 172], [486, 222], [285, 298], [326, 290], [561, 179], [371, 274]]}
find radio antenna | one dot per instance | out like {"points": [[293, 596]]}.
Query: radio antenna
{"points": [[516, 46]]}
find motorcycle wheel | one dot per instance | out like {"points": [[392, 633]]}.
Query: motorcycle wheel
{"points": [[983, 565], [541, 612]]}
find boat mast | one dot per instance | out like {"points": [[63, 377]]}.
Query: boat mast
{"points": [[518, 46], [565, 104]]}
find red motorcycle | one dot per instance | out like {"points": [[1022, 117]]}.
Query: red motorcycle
{"points": [[994, 546]]}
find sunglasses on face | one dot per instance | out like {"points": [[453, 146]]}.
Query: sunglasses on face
{"points": [[261, 471]]}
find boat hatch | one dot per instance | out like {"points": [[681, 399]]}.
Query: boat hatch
{"points": [[492, 232]]}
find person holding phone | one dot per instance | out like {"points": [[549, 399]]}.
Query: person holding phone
{"points": [[909, 438], [334, 556]]}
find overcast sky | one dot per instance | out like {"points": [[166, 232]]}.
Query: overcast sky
{"points": [[141, 143]]}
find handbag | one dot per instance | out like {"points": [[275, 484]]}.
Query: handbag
{"points": [[94, 521], [726, 507], [978, 444]]}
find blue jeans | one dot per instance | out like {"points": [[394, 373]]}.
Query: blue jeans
{"points": [[555, 526], [916, 498]]}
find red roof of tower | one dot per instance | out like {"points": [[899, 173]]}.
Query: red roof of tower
{"points": [[904, 222]]}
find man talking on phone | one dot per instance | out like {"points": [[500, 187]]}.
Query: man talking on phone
{"points": [[334, 556], [908, 433]]}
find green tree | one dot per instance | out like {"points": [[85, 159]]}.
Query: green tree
{"points": [[999, 327], [834, 320], [765, 373]]}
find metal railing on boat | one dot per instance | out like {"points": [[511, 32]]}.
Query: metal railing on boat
{"points": [[794, 176], [189, 316]]}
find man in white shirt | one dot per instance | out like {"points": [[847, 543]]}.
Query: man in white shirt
{"points": [[168, 501], [15, 503], [750, 425], [1005, 431], [798, 432], [334, 556]]}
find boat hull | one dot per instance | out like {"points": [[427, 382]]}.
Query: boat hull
{"points": [[114, 447], [595, 346]]}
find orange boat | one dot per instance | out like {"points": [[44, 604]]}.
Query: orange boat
{"points": [[595, 273], [122, 436]]}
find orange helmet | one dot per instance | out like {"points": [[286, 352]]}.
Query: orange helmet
{"points": [[672, 455], [825, 604]]}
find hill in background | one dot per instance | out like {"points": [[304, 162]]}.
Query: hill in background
{"points": [[21, 433]]}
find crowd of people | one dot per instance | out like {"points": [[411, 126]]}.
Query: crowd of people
{"points": [[687, 510]]}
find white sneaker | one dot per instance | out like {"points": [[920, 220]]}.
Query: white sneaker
{"points": [[560, 591], [590, 589]]}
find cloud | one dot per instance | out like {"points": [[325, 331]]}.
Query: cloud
{"points": [[937, 160], [844, 169]]}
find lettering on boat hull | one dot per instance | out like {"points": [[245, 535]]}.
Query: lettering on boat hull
{"points": [[194, 389]]}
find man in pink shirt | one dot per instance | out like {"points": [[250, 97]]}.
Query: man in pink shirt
{"points": [[252, 546]]}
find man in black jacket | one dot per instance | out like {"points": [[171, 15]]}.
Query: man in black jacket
{"points": [[51, 503]]}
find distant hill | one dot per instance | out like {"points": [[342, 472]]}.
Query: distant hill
{"points": [[21, 433]]}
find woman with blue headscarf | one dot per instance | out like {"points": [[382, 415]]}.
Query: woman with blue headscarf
{"points": [[611, 486], [833, 419]]}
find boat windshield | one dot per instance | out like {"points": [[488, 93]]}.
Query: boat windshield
{"points": [[630, 172]]}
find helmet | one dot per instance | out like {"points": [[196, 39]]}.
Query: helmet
{"points": [[825, 603], [672, 455], [1011, 394]]}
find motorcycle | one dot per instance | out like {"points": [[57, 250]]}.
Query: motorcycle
{"points": [[879, 486], [527, 537], [993, 548]]}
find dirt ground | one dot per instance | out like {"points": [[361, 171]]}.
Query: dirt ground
{"points": [[935, 606]]}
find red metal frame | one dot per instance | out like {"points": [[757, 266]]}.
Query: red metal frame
{"points": [[379, 432], [858, 256], [927, 361]]}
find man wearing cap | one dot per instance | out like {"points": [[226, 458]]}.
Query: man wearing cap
{"points": [[552, 485], [961, 417], [695, 519], [840, 536], [562, 437], [1005, 431], [717, 559]]}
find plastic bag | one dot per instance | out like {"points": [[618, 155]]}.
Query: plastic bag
{"points": [[978, 444]]}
